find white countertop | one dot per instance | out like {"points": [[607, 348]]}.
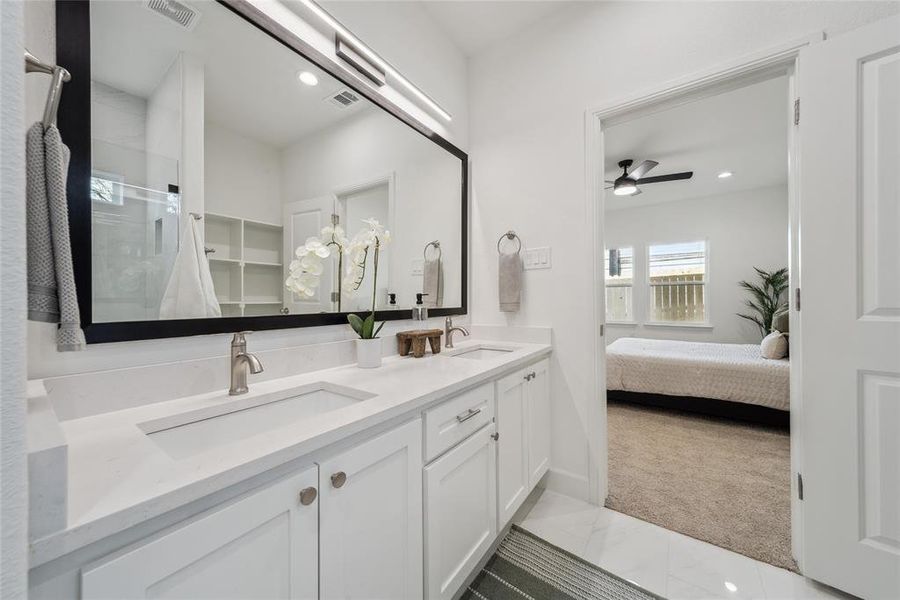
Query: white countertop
{"points": [[119, 477]]}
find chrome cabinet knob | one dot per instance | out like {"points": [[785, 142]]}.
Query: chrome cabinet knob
{"points": [[308, 496], [495, 436], [339, 479]]}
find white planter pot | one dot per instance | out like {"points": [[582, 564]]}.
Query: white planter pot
{"points": [[368, 353]]}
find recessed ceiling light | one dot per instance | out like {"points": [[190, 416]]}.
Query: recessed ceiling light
{"points": [[725, 174], [308, 78], [730, 587]]}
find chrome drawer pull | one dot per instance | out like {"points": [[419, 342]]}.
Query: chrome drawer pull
{"points": [[467, 415]]}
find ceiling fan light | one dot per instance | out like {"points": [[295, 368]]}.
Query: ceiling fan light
{"points": [[624, 188]]}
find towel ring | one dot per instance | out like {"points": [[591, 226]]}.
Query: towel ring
{"points": [[437, 246], [510, 235]]}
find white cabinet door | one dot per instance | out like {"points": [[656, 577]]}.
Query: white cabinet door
{"points": [[538, 418], [371, 518], [263, 546], [850, 212], [512, 446], [460, 512]]}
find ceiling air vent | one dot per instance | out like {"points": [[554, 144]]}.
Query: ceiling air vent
{"points": [[345, 98], [184, 15]]}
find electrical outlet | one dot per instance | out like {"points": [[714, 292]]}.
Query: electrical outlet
{"points": [[537, 258], [418, 266]]}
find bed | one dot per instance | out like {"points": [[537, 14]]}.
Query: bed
{"points": [[730, 380]]}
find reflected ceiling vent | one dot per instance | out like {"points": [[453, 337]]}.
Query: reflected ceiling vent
{"points": [[178, 12], [344, 98]]}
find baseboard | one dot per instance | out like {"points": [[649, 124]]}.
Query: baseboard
{"points": [[568, 484]]}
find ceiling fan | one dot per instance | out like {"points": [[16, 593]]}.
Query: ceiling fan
{"points": [[627, 183]]}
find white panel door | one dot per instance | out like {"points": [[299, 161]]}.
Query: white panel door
{"points": [[304, 219], [460, 512], [538, 417], [512, 446], [850, 312], [371, 519], [261, 547]]}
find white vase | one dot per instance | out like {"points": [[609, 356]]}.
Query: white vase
{"points": [[368, 353]]}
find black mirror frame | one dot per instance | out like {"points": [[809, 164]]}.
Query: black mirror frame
{"points": [[73, 51]]}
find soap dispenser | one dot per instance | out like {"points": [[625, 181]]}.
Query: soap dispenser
{"points": [[420, 311]]}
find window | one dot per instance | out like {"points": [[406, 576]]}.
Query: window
{"points": [[619, 270], [678, 282]]}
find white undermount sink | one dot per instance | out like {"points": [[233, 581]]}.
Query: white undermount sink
{"points": [[482, 352], [240, 417]]}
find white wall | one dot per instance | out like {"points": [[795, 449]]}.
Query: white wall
{"points": [[243, 176], [743, 230], [445, 67], [528, 97], [13, 484]]}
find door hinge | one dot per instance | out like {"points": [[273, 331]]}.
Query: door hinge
{"points": [[602, 328], [335, 219], [797, 299], [796, 111], [799, 486], [335, 296]]}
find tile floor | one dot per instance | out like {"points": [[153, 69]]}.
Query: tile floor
{"points": [[664, 562]]}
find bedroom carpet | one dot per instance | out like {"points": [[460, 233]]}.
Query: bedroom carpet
{"points": [[723, 482]]}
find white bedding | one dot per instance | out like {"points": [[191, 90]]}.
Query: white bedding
{"points": [[735, 372]]}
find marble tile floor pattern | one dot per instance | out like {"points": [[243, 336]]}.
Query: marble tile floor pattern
{"points": [[661, 561]]}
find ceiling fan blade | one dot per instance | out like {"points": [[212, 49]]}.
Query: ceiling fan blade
{"points": [[642, 169], [669, 177]]}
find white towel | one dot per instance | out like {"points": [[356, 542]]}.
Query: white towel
{"points": [[433, 283], [510, 282], [51, 280], [190, 293]]}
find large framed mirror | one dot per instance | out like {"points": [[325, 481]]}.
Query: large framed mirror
{"points": [[212, 152]]}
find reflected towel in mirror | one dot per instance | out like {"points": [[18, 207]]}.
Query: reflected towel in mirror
{"points": [[190, 293], [433, 282]]}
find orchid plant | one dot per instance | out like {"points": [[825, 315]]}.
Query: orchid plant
{"points": [[307, 268]]}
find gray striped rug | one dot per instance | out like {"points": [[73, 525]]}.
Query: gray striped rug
{"points": [[525, 567]]}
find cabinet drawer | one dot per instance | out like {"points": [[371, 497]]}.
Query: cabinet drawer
{"points": [[454, 420]]}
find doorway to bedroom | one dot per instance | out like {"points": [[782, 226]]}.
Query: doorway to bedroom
{"points": [[696, 270]]}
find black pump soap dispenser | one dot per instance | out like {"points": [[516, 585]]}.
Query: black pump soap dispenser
{"points": [[420, 311]]}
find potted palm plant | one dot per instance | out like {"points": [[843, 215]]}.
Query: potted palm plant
{"points": [[765, 298]]}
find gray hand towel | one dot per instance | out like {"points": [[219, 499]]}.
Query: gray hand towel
{"points": [[433, 283], [51, 279], [510, 271]]}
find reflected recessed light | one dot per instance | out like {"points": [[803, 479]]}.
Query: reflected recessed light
{"points": [[308, 78], [730, 586], [725, 174]]}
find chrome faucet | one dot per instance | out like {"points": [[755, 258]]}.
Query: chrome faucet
{"points": [[241, 362], [449, 328]]}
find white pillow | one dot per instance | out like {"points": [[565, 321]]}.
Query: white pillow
{"points": [[774, 346]]}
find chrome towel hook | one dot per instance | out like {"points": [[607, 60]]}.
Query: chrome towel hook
{"points": [[510, 235]]}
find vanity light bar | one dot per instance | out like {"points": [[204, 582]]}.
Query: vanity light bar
{"points": [[370, 55]]}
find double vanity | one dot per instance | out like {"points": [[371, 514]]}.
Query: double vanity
{"points": [[336, 483]]}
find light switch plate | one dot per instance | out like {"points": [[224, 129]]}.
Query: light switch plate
{"points": [[417, 266], [537, 258]]}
